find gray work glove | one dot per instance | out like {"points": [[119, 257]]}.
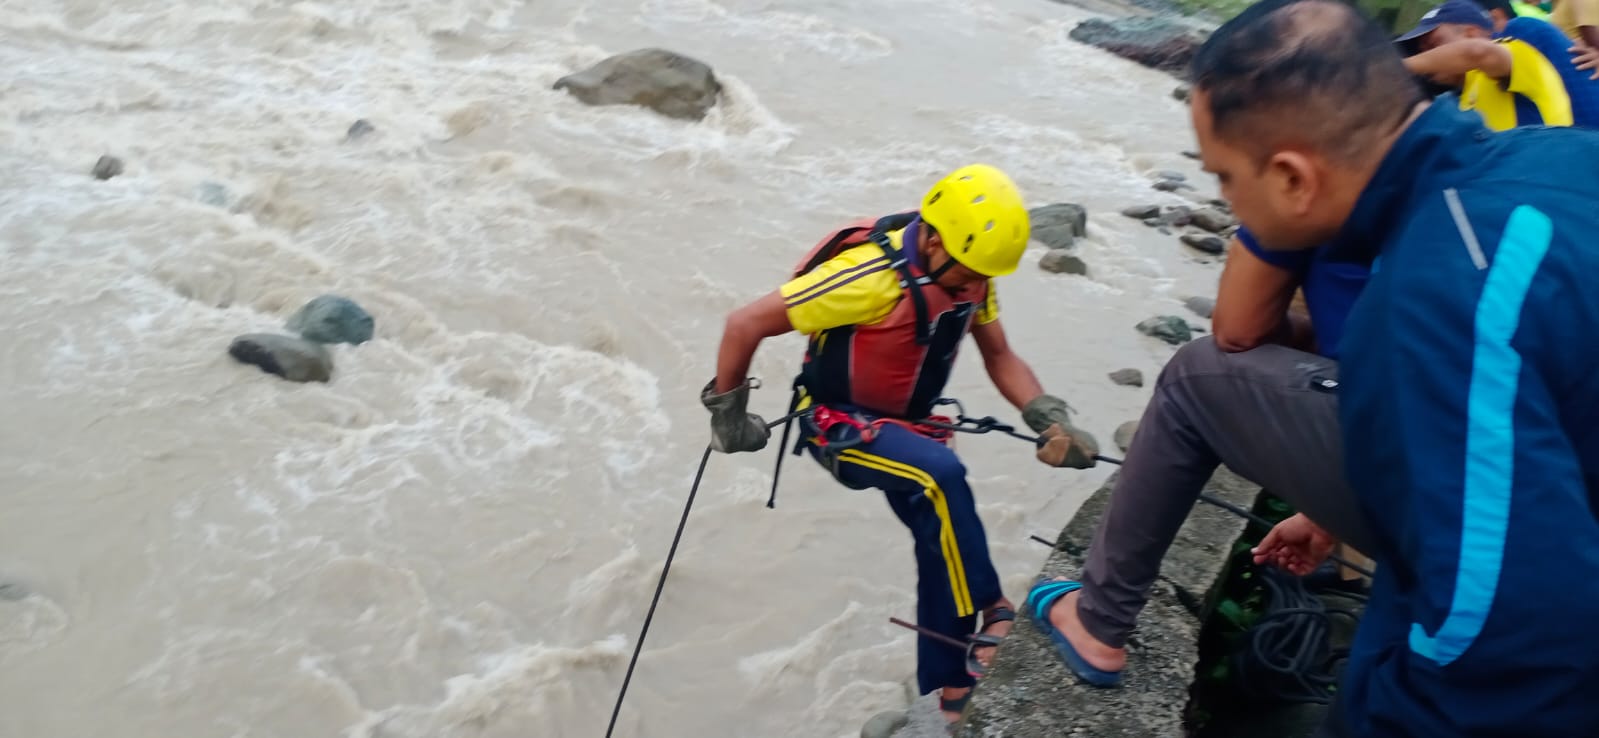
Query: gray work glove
{"points": [[1063, 444], [733, 428]]}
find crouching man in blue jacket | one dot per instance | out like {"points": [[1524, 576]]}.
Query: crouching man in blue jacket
{"points": [[1469, 402]]}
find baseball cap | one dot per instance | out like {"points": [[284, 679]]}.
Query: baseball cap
{"points": [[1464, 12]]}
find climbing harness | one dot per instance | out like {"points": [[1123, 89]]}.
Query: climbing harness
{"points": [[834, 430]]}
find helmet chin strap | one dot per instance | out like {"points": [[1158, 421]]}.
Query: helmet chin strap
{"points": [[949, 261], [933, 276]]}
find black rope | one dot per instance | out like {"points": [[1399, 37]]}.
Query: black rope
{"points": [[1288, 655], [661, 585], [699, 475]]}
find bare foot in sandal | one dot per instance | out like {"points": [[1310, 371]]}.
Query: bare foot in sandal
{"points": [[997, 621]]}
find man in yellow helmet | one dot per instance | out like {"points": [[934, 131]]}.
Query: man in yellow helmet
{"points": [[886, 303]]}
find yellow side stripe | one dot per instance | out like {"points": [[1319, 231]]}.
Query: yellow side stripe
{"points": [[952, 557]]}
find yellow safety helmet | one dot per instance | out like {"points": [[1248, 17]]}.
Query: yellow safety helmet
{"points": [[979, 214]]}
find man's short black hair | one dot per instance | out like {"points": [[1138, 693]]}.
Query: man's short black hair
{"points": [[1315, 73]]}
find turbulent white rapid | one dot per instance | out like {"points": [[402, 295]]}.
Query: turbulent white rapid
{"points": [[458, 536]]}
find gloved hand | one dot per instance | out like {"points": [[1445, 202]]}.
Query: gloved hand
{"points": [[733, 428], [1064, 444]]}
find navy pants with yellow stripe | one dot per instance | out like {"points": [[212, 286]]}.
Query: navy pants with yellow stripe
{"points": [[925, 484]]}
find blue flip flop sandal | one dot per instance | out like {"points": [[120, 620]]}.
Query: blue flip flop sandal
{"points": [[1040, 599]]}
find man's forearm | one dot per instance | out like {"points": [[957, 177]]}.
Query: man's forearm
{"points": [[733, 359], [1013, 378], [1456, 59]]}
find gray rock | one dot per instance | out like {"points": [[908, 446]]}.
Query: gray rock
{"points": [[107, 167], [214, 194], [1153, 42], [1164, 230], [1062, 261], [1140, 212], [294, 359], [884, 724], [924, 719], [359, 128], [1170, 174], [1202, 306], [13, 592], [1176, 215], [1203, 242], [668, 83], [1127, 377], [1191, 154], [1154, 222], [1182, 93], [332, 319], [1124, 435], [1212, 220], [1168, 328], [1171, 185], [1058, 226]]}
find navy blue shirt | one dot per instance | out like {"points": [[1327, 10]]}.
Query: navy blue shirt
{"points": [[1330, 287], [1469, 409]]}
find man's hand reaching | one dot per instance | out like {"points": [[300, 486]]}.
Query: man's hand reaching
{"points": [[1295, 545]]}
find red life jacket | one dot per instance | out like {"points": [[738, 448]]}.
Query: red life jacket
{"points": [[898, 366]]}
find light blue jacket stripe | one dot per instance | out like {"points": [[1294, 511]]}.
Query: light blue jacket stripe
{"points": [[1490, 437]]}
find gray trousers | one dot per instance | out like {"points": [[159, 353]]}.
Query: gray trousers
{"points": [[1269, 414]]}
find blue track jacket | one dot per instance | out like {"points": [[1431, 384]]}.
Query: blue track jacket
{"points": [[1470, 413]]}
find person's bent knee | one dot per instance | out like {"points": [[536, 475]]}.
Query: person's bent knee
{"points": [[1199, 356]]}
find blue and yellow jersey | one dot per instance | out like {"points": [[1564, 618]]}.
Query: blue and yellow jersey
{"points": [[1544, 88], [857, 287]]}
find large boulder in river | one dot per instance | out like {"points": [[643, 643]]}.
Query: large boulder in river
{"points": [[294, 359], [1152, 42], [332, 319], [1058, 226], [668, 83]]}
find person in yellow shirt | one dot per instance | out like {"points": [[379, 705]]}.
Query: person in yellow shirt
{"points": [[886, 303], [1578, 19], [1514, 71]]}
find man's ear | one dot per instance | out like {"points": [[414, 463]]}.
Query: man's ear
{"points": [[1294, 180]]}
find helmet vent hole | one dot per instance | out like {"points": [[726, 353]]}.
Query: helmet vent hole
{"points": [[979, 199], [989, 226], [935, 197]]}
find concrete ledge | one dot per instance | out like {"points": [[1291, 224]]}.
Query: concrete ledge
{"points": [[1030, 694]]}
